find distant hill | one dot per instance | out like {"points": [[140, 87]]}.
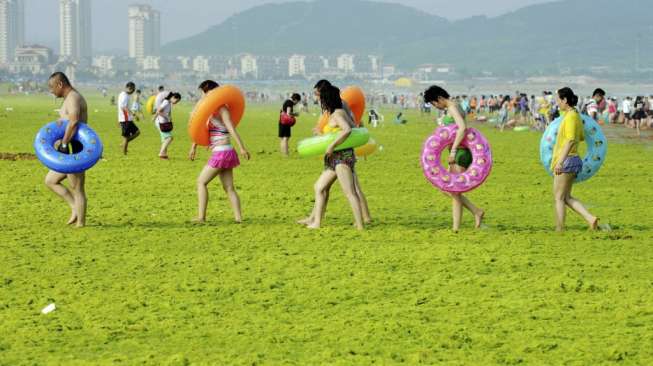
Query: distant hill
{"points": [[545, 37], [571, 33], [325, 27]]}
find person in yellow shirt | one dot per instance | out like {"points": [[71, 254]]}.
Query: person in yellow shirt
{"points": [[566, 164]]}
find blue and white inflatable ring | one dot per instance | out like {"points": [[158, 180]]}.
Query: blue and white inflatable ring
{"points": [[597, 147], [83, 160]]}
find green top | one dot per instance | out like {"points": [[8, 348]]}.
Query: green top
{"points": [[448, 120]]}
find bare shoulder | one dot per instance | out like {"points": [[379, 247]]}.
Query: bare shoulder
{"points": [[80, 99]]}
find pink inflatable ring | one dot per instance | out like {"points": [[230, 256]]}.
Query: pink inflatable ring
{"points": [[446, 181]]}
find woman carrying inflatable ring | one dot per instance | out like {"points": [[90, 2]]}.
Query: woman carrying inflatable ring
{"points": [[213, 123], [338, 164], [566, 164], [460, 158], [319, 130]]}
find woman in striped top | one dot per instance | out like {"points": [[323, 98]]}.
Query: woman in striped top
{"points": [[223, 158]]}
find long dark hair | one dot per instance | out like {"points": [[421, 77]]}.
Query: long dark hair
{"points": [[568, 94], [330, 99], [322, 84]]}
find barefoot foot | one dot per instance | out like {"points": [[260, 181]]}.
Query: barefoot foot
{"points": [[479, 219], [306, 221], [72, 220], [594, 225]]}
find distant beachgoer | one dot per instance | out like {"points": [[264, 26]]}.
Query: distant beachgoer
{"points": [[137, 106], [163, 119], [128, 128], [287, 114], [592, 107]]}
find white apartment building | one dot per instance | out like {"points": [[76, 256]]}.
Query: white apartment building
{"points": [[144, 31], [249, 65], [12, 28], [345, 62], [75, 29], [201, 64], [297, 65]]}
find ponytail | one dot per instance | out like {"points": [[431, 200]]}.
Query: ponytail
{"points": [[567, 94]]}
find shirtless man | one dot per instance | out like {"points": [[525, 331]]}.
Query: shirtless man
{"points": [[74, 110]]}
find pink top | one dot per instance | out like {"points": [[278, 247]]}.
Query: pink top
{"points": [[218, 132]]}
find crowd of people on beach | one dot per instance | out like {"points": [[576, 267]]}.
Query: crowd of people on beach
{"points": [[535, 111]]}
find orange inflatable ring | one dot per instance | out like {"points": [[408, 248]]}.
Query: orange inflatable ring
{"points": [[355, 99], [227, 96]]}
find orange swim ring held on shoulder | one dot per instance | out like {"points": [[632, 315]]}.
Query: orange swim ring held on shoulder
{"points": [[355, 98], [227, 96]]}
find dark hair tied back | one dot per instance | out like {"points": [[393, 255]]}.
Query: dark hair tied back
{"points": [[208, 85], [568, 94]]}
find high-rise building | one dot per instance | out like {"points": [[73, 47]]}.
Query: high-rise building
{"points": [[296, 65], [12, 28], [249, 66], [75, 30], [346, 63], [144, 31]]}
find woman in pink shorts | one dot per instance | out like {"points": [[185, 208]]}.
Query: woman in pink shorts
{"points": [[223, 158]]}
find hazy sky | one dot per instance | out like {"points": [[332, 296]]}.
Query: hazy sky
{"points": [[183, 18]]}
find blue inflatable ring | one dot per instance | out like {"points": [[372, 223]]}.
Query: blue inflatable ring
{"points": [[597, 147], [63, 163]]}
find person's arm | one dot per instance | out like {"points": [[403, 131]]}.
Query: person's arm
{"points": [[124, 107], [345, 131], [193, 151], [462, 127], [73, 119], [290, 112], [161, 111], [563, 156], [317, 130], [226, 119]]}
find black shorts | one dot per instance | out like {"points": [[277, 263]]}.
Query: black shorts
{"points": [[129, 129], [639, 115], [74, 147], [284, 130]]}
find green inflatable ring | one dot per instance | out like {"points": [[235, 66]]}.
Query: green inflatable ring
{"points": [[317, 145]]}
